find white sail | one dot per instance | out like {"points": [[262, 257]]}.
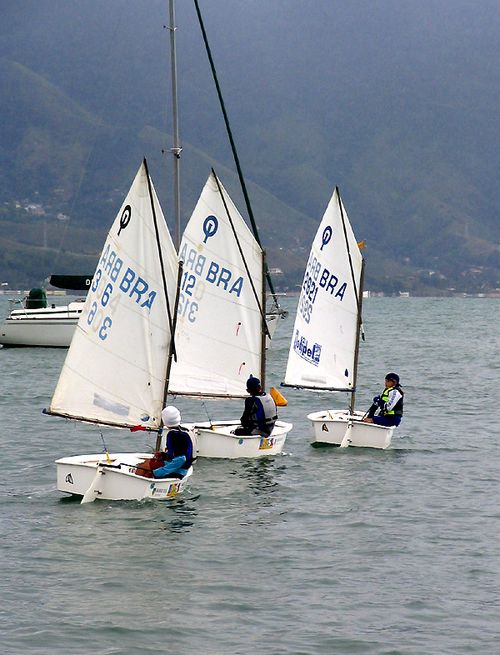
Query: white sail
{"points": [[115, 369], [219, 322], [322, 350]]}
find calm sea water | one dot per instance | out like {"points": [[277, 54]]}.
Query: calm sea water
{"points": [[318, 551]]}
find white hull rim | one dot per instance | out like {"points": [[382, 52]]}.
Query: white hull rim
{"points": [[117, 481], [215, 440], [330, 427]]}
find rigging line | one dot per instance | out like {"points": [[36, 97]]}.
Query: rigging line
{"points": [[359, 299], [160, 255], [171, 352], [233, 147], [359, 328], [208, 415], [264, 331], [105, 449], [358, 304], [261, 311]]}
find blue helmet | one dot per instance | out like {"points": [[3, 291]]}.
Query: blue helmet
{"points": [[253, 384]]}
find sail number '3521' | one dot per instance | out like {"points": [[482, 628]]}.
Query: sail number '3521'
{"points": [[317, 277]]}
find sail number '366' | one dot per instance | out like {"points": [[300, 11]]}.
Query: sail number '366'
{"points": [[112, 281]]}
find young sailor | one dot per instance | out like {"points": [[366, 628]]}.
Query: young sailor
{"points": [[260, 413], [389, 403], [178, 456]]}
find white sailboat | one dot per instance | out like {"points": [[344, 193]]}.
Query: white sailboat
{"points": [[323, 353], [221, 327], [40, 323], [50, 327], [116, 367]]}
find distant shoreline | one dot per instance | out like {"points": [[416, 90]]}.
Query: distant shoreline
{"points": [[295, 294]]}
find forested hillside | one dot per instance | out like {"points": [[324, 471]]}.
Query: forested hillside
{"points": [[396, 103]]}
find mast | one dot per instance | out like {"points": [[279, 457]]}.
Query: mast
{"points": [[358, 332], [358, 293], [172, 317], [171, 351], [160, 255], [264, 329], [176, 147]]}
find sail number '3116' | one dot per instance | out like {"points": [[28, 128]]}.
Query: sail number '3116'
{"points": [[198, 272]]}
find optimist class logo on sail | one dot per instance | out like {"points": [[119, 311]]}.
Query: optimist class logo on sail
{"points": [[198, 270]]}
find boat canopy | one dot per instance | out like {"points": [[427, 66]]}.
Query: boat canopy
{"points": [[71, 282]]}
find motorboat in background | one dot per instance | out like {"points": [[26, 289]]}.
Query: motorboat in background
{"points": [[38, 323]]}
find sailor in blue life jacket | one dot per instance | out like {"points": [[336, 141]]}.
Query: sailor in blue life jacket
{"points": [[178, 455], [389, 403], [260, 413]]}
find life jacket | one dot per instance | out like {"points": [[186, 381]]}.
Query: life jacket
{"points": [[398, 407], [264, 413], [179, 443]]}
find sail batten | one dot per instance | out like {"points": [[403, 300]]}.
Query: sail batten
{"points": [[114, 372], [323, 347]]}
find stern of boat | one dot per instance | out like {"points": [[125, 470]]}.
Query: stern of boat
{"points": [[217, 440], [114, 480], [330, 427]]}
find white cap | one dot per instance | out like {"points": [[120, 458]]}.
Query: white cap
{"points": [[171, 416]]}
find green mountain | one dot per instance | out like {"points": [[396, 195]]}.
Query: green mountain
{"points": [[396, 104]]}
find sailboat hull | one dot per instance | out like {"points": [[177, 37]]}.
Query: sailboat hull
{"points": [[115, 481], [272, 319], [49, 326], [330, 428], [218, 441]]}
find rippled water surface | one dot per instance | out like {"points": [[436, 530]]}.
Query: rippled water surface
{"points": [[318, 551]]}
